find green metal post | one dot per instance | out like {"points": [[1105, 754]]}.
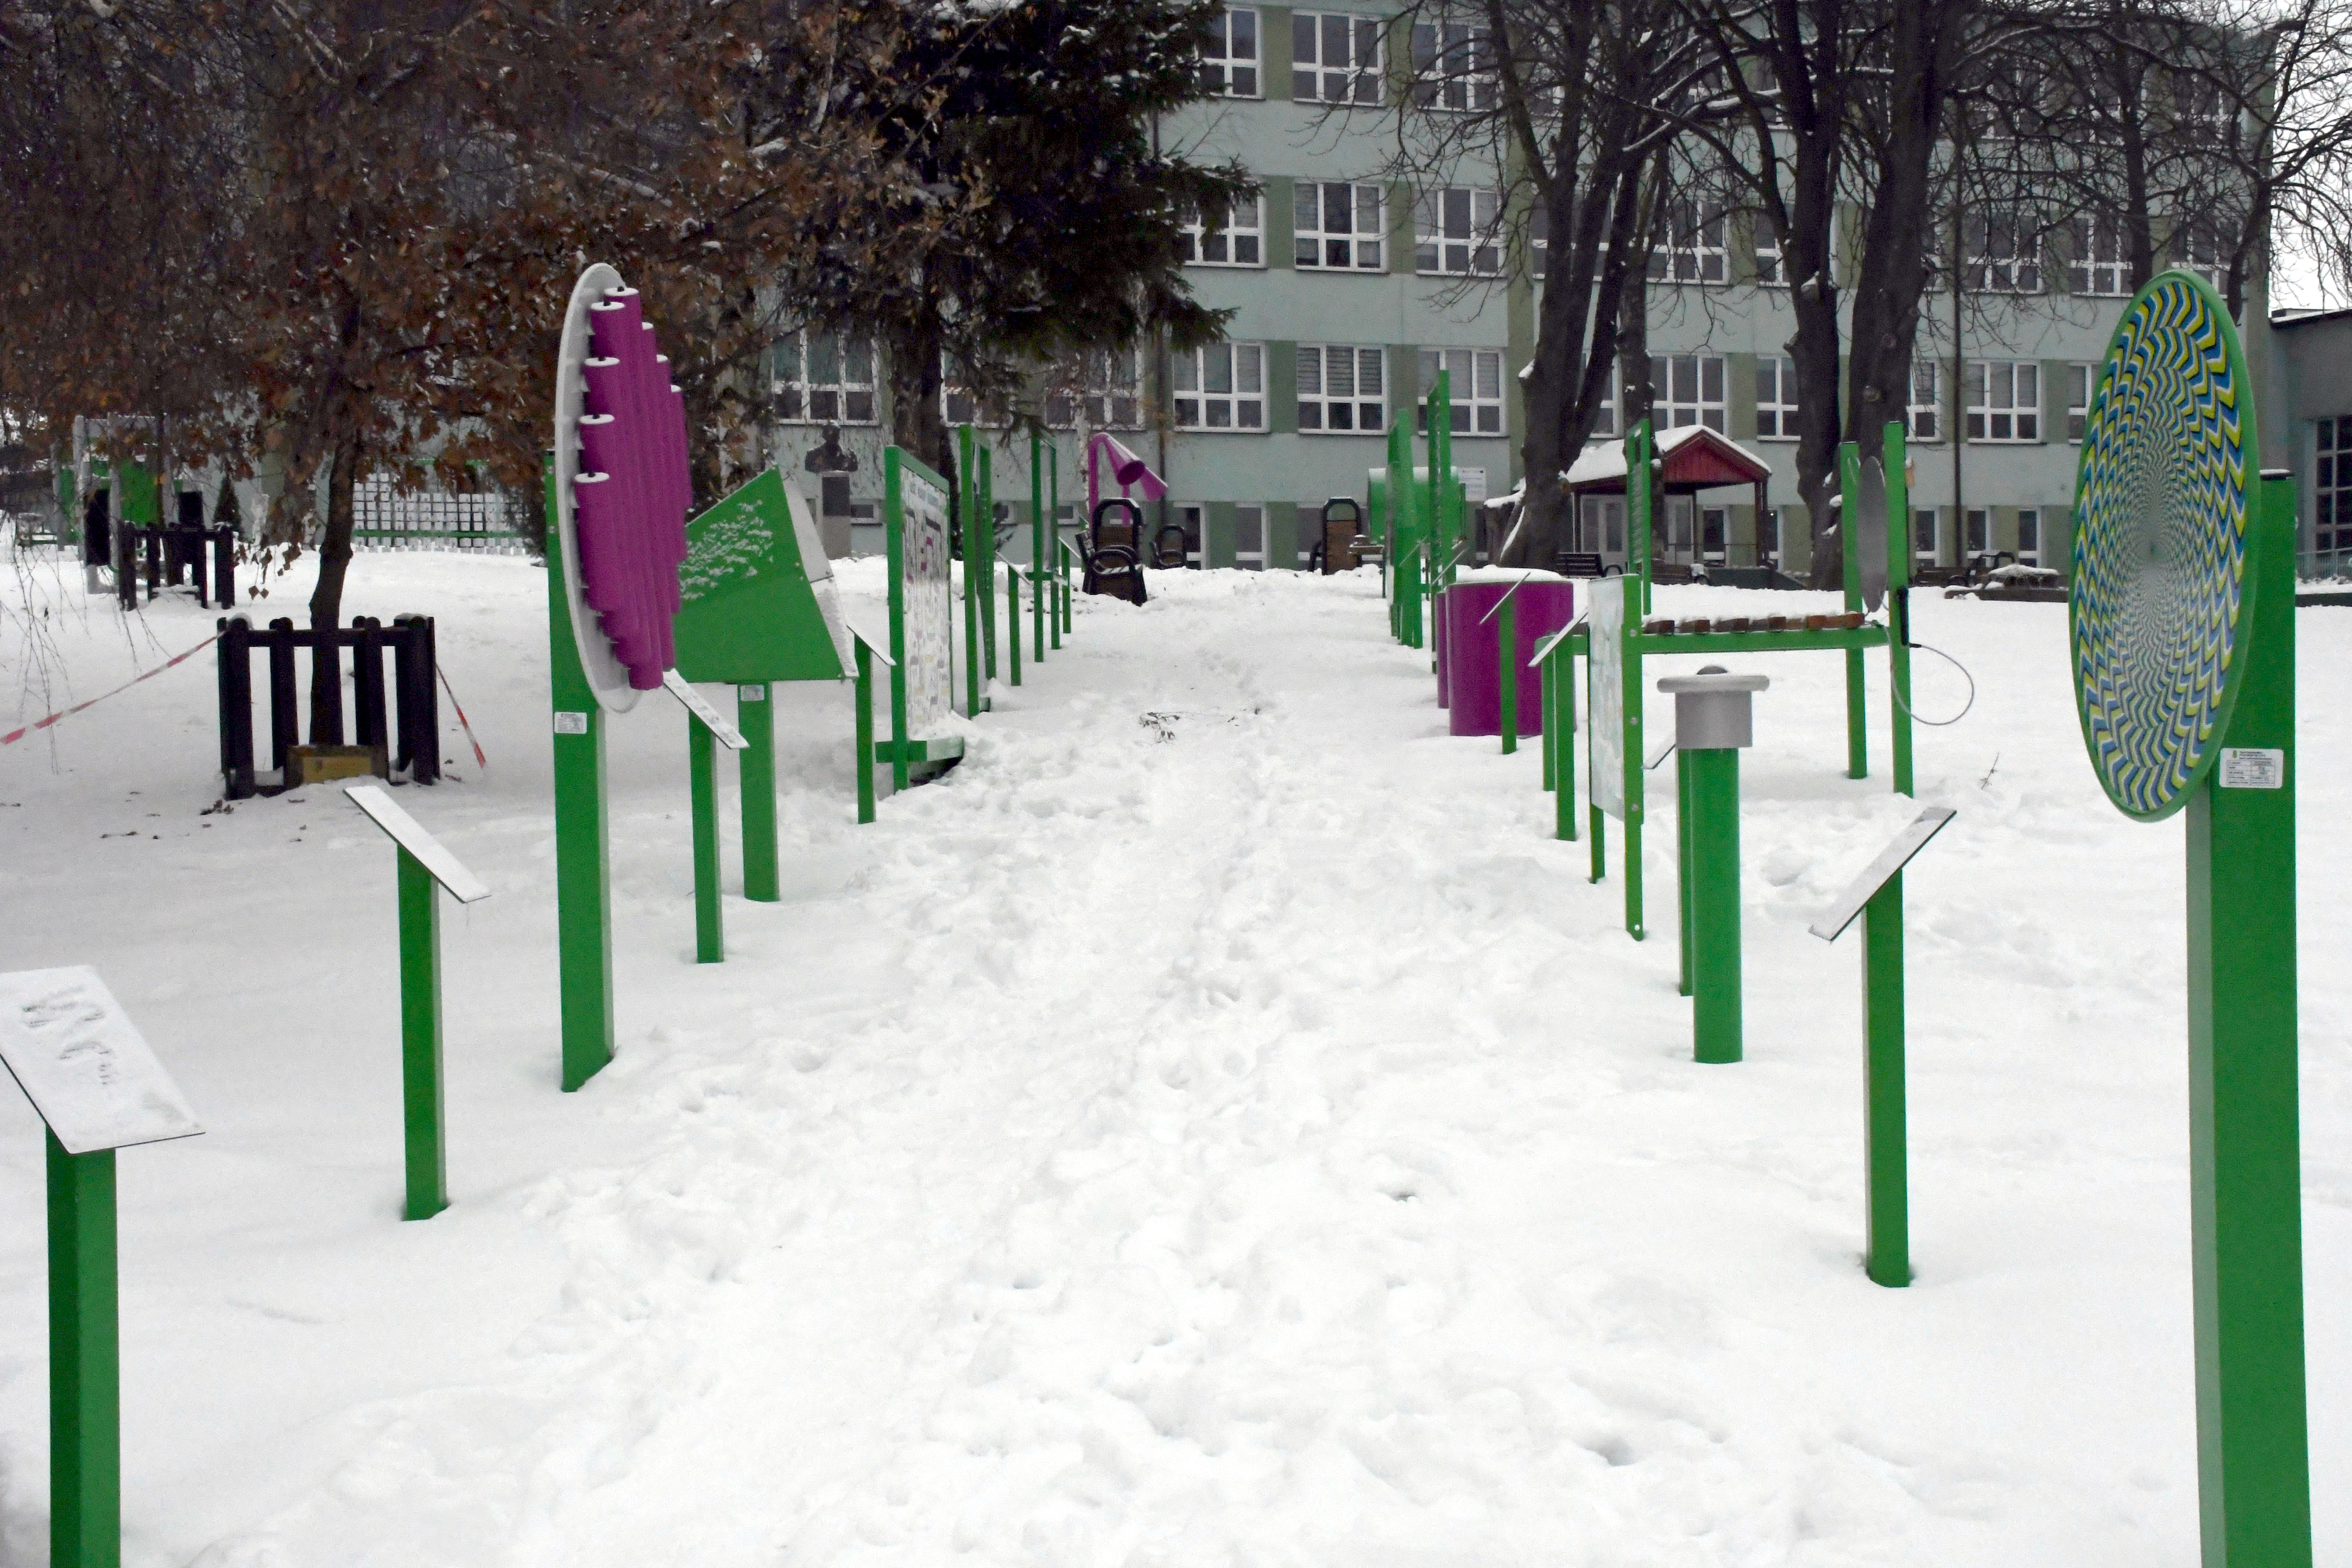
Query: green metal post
{"points": [[2244, 1145], [1564, 800], [583, 917], [1548, 704], [756, 763], [85, 1363], [967, 532], [864, 732], [1041, 565], [984, 517], [1889, 1260], [1851, 524], [1683, 851], [1714, 905], [1013, 622], [1898, 605], [1639, 500], [1061, 556], [1507, 688], [702, 776], [420, 1039], [1596, 819], [1636, 791]]}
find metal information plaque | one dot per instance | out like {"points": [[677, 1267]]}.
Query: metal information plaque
{"points": [[1891, 859], [431, 853], [701, 707], [84, 1065]]}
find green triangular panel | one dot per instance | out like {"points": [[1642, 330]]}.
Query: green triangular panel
{"points": [[759, 593]]}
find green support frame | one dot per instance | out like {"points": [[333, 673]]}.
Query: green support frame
{"points": [[584, 916], [85, 1361], [420, 1040]]}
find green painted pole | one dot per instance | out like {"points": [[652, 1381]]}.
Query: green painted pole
{"points": [[420, 1039], [755, 716], [1564, 801], [702, 775], [1040, 565], [983, 518], [85, 1363], [1013, 622], [1714, 905], [1506, 687], [1683, 858], [1596, 819], [1898, 605], [583, 917], [1850, 526], [1884, 1109], [1061, 556], [1637, 789], [895, 544], [864, 732], [1547, 705], [2245, 1150]]}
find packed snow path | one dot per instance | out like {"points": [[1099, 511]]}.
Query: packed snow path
{"points": [[1215, 1125]]}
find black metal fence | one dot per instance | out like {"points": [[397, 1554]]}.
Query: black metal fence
{"points": [[383, 518], [414, 706]]}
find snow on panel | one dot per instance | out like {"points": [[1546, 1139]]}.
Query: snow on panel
{"points": [[1891, 859], [1605, 779], [931, 609], [84, 1065]]}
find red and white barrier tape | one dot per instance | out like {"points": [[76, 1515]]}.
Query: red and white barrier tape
{"points": [[480, 761], [15, 735]]}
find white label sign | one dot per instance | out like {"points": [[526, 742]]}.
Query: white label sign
{"points": [[753, 693], [1605, 779], [2253, 767], [407, 832], [1891, 859], [699, 705], [571, 723], [84, 1065]]}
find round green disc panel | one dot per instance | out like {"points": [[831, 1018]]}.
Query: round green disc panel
{"points": [[2159, 559]]}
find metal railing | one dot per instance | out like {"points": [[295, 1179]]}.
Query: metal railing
{"points": [[383, 518]]}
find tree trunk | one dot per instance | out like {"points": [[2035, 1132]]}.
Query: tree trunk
{"points": [[917, 422], [327, 596]]}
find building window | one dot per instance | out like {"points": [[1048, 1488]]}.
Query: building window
{"points": [[1337, 225], [1714, 528], [1767, 536], [2080, 380], [823, 378], [1229, 59], [1980, 529], [2198, 246], [2001, 252], [1775, 399], [1927, 411], [2332, 525], [960, 407], [1474, 384], [1927, 534], [1220, 387], [1101, 389], [1249, 538], [1767, 258], [1686, 389], [2029, 536], [1342, 388], [2004, 400], [2098, 265], [1453, 65], [1455, 232], [1691, 250], [1233, 238], [1334, 59]]}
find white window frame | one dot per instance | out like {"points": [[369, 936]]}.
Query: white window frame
{"points": [[1249, 560], [2004, 401], [1474, 390], [1226, 72], [1457, 231], [2199, 245], [1317, 248], [1772, 269], [2331, 527], [2000, 252], [1354, 79], [1101, 389], [796, 396], [1194, 397], [1932, 552], [1679, 391], [2099, 267], [2029, 517], [1924, 421], [1976, 532], [2081, 380], [1452, 65], [1694, 249], [1321, 412], [1776, 417], [1243, 229]]}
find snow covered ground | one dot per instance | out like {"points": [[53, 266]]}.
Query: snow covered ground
{"points": [[1237, 1137]]}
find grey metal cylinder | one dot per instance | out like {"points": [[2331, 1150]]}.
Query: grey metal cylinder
{"points": [[1714, 711]]}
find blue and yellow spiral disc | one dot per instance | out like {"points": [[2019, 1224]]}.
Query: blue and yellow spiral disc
{"points": [[2161, 507]]}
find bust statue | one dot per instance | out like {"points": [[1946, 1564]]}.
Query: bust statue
{"points": [[831, 456]]}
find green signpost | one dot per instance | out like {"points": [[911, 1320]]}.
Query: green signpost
{"points": [[2181, 626], [425, 867], [922, 619], [98, 1088], [1714, 720]]}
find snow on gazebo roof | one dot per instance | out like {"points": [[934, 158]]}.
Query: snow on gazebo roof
{"points": [[1695, 457]]}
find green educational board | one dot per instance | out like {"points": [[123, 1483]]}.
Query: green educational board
{"points": [[138, 503], [757, 595]]}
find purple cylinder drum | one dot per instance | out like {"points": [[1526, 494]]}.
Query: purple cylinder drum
{"points": [[1473, 676], [634, 488]]}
